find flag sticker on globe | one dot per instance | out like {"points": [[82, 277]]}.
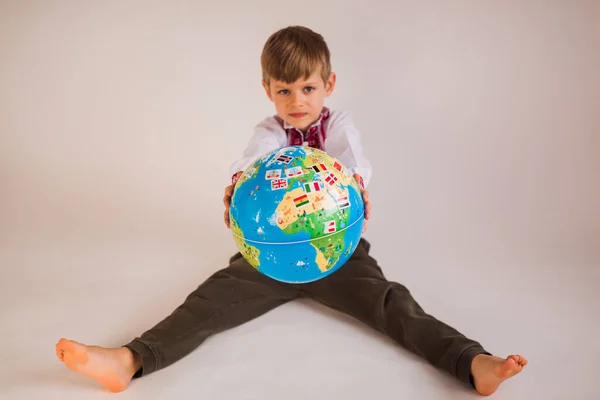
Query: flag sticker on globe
{"points": [[273, 174], [319, 167], [343, 202], [331, 179], [330, 227], [301, 201], [277, 184], [294, 171], [312, 187], [249, 172], [285, 159]]}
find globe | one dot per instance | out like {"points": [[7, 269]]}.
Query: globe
{"points": [[296, 214]]}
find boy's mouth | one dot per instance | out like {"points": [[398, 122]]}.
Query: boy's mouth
{"points": [[298, 115]]}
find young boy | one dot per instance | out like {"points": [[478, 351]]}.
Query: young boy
{"points": [[297, 78]]}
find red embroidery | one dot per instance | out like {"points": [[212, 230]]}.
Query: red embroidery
{"points": [[234, 178], [315, 137]]}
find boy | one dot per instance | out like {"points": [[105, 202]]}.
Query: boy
{"points": [[297, 78]]}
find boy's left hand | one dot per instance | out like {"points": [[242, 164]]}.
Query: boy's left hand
{"points": [[365, 197]]}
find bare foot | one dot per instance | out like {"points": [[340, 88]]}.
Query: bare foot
{"points": [[490, 371], [113, 368]]}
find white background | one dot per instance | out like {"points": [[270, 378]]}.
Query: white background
{"points": [[118, 123]]}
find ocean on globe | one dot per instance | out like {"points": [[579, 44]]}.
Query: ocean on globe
{"points": [[296, 214]]}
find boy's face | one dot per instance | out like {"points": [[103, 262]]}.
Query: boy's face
{"points": [[300, 103]]}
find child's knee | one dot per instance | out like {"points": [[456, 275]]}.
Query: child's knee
{"points": [[365, 244], [235, 258]]}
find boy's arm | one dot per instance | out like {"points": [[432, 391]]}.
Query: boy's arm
{"points": [[343, 142], [268, 136]]}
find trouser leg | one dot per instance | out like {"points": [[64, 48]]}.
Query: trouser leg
{"points": [[230, 297], [360, 289]]}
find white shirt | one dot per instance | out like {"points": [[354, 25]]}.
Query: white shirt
{"points": [[342, 142]]}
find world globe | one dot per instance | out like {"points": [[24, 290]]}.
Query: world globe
{"points": [[296, 214]]}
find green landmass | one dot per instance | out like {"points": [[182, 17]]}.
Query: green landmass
{"points": [[249, 252]]}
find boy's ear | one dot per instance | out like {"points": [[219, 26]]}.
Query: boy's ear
{"points": [[267, 90], [330, 84]]}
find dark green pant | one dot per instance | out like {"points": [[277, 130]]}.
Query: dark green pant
{"points": [[239, 293]]}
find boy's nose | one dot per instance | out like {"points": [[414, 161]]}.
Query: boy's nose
{"points": [[297, 99]]}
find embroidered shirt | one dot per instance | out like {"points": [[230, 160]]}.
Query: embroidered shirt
{"points": [[315, 134], [334, 133]]}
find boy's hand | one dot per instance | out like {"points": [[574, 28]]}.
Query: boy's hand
{"points": [[365, 197], [227, 203], [227, 198]]}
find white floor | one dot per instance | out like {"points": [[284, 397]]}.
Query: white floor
{"points": [[106, 292]]}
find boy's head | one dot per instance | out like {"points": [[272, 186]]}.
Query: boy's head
{"points": [[297, 74]]}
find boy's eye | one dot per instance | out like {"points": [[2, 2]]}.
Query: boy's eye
{"points": [[284, 91], [309, 89]]}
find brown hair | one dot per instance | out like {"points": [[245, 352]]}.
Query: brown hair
{"points": [[295, 52]]}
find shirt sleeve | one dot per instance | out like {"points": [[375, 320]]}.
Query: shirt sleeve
{"points": [[344, 143], [268, 136]]}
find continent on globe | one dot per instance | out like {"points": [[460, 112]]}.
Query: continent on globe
{"points": [[248, 251]]}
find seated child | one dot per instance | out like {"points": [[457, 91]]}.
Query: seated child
{"points": [[297, 78]]}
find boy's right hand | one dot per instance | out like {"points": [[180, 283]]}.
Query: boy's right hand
{"points": [[227, 197], [227, 202]]}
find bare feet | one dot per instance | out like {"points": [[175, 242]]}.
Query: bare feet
{"points": [[113, 368], [490, 371]]}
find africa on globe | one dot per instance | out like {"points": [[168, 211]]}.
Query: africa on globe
{"points": [[296, 214]]}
